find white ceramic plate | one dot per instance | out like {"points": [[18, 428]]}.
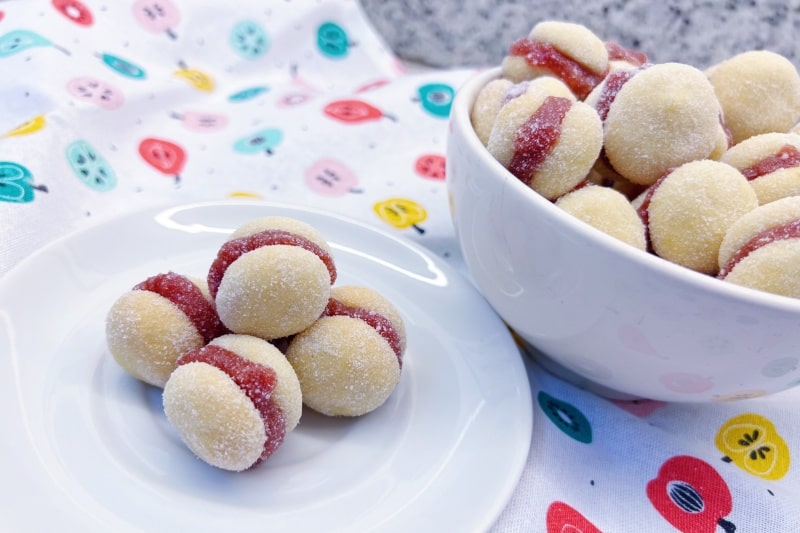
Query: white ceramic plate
{"points": [[85, 447]]}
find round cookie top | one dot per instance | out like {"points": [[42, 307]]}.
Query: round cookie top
{"points": [[662, 116], [689, 210], [292, 225], [607, 210], [575, 41], [759, 92]]}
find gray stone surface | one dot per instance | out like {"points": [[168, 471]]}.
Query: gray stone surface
{"points": [[446, 33]]}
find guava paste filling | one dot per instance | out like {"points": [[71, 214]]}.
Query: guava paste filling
{"points": [[535, 139], [187, 297], [257, 381], [235, 248], [377, 321]]}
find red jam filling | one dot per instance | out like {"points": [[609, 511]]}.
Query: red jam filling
{"points": [[235, 248], [380, 323], [611, 88], [790, 230], [578, 78], [787, 157], [256, 381], [534, 141], [187, 297], [644, 207], [617, 52]]}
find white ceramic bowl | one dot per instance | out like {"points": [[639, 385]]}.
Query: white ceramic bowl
{"points": [[603, 314]]}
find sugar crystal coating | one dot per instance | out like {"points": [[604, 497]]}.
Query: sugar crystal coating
{"points": [[146, 333], [346, 367]]}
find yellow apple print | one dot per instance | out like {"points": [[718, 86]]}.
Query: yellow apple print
{"points": [[26, 128], [401, 213], [753, 444], [197, 78]]}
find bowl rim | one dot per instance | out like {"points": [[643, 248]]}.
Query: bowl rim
{"points": [[460, 118]]}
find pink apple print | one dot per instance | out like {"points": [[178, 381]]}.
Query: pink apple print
{"points": [[685, 382], [95, 91], [200, 121], [330, 177], [157, 16], [293, 99], [640, 408], [430, 166]]}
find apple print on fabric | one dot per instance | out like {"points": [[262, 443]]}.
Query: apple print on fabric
{"points": [[90, 167], [197, 78], [16, 41], [436, 99], [401, 213], [351, 111], [249, 39], [562, 518], [331, 177], [751, 442], [332, 40], [75, 11], [430, 166], [262, 141], [16, 183], [200, 121], [157, 16], [26, 128], [123, 67], [97, 92], [164, 156], [568, 418], [691, 495], [247, 94]]}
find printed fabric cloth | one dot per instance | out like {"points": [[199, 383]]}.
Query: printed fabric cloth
{"points": [[107, 107]]}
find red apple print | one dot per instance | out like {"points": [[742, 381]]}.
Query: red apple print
{"points": [[2, 14], [74, 11], [165, 156], [430, 166], [561, 518], [691, 496], [354, 111]]}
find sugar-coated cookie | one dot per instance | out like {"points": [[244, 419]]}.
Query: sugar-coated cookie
{"points": [[759, 92], [233, 401], [607, 210], [272, 277], [688, 211], [568, 51], [150, 326], [349, 361], [771, 162], [549, 142], [761, 249], [655, 118]]}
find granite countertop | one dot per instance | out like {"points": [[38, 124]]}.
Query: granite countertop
{"points": [[478, 32]]}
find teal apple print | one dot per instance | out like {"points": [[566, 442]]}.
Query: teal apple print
{"points": [[90, 167], [566, 417], [249, 39], [436, 99], [16, 183], [261, 141], [123, 67], [332, 40]]}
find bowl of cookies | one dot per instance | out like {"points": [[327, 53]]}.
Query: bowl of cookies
{"points": [[637, 224]]}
